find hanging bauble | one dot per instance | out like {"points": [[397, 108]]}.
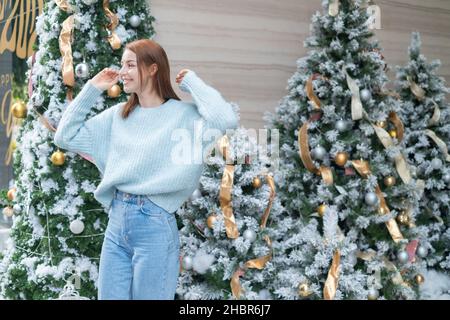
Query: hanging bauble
{"points": [[303, 290], [187, 263], [319, 153], [372, 294], [135, 21], [8, 212], [371, 198], [341, 126], [393, 133], [58, 158], [11, 194], [381, 124], [195, 195], [249, 235], [76, 226], [403, 256], [321, 209], [341, 158], [365, 95], [82, 70], [403, 218], [257, 183], [436, 163], [13, 144], [422, 251], [389, 181], [211, 220], [114, 91], [446, 178], [89, 2], [419, 279], [19, 110]]}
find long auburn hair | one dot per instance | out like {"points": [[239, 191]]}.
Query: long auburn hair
{"points": [[147, 53]]}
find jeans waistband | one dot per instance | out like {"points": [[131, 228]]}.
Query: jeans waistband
{"points": [[130, 197]]}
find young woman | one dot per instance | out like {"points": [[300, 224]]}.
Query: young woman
{"points": [[134, 144]]}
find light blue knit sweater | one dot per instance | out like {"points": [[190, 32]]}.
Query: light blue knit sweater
{"points": [[139, 154]]}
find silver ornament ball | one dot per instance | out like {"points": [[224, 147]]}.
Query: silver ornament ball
{"points": [[249, 235], [187, 263], [89, 2], [436, 163], [82, 70], [195, 195], [76, 226], [319, 153], [403, 257], [373, 294], [135, 21], [341, 126], [422, 251], [446, 178], [371, 199], [366, 95]]}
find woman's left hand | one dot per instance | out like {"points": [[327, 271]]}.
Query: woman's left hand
{"points": [[181, 75]]}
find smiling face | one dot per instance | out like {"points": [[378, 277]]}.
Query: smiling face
{"points": [[129, 73]]}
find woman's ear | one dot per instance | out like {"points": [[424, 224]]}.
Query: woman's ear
{"points": [[153, 69]]}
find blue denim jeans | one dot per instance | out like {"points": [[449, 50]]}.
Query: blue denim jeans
{"points": [[140, 253]]}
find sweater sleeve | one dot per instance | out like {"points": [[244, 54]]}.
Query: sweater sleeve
{"points": [[91, 136], [213, 108]]}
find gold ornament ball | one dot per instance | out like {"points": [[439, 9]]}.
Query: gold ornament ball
{"points": [[257, 183], [321, 209], [19, 109], [389, 181], [419, 279], [341, 158], [13, 144], [211, 220], [381, 124], [303, 290], [382, 210], [11, 194], [58, 158], [393, 133], [403, 218], [8, 211], [114, 91]]}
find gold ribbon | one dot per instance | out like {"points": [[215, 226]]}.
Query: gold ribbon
{"points": [[333, 8], [357, 108], [310, 92], [305, 156], [329, 290], [223, 144], [65, 47], [113, 38], [436, 115], [400, 161], [415, 89], [363, 169], [271, 183], [441, 144], [226, 187], [258, 263], [398, 124]]}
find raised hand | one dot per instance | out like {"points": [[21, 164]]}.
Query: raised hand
{"points": [[105, 79], [181, 75]]}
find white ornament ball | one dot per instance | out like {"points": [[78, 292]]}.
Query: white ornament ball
{"points": [[82, 70], [187, 263], [341, 126], [135, 21], [264, 294], [249, 235], [403, 257], [436, 163], [195, 195], [371, 198], [365, 95], [319, 153], [89, 2], [446, 178], [422, 251], [373, 294], [77, 226]]}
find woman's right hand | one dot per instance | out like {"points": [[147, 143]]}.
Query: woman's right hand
{"points": [[105, 79]]}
